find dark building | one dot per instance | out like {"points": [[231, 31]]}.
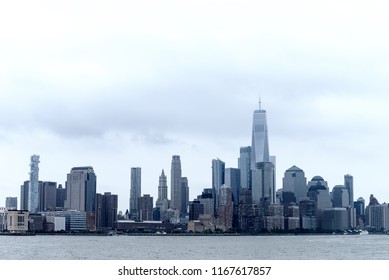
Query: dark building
{"points": [[145, 204], [359, 206], [11, 203], [61, 197], [195, 210], [24, 196], [47, 196], [106, 210]]}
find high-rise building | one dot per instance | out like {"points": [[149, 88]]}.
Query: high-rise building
{"points": [[24, 195], [162, 187], [232, 180], [318, 191], [175, 185], [81, 189], [295, 182], [61, 197], [244, 163], [260, 142], [135, 191], [263, 188], [184, 195], [162, 202], [11, 203], [218, 169], [195, 210], [349, 184], [145, 210], [47, 196], [340, 197], [33, 188], [225, 209], [206, 198], [106, 210]]}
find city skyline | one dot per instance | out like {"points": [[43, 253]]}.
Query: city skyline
{"points": [[152, 82]]}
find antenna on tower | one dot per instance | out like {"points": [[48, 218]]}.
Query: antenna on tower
{"points": [[260, 103]]}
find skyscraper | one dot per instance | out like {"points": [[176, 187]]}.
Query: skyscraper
{"points": [[24, 195], [162, 187], [218, 169], [33, 188], [260, 142], [175, 185], [184, 195], [244, 163], [81, 189], [295, 182], [106, 210], [11, 203], [349, 184], [135, 190]]}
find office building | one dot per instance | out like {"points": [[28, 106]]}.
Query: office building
{"points": [[106, 210], [349, 184], [145, 204], [340, 197], [61, 197], [135, 191], [11, 203], [184, 195], [81, 189], [24, 195], [175, 184], [232, 180], [260, 142], [33, 188], [195, 210], [295, 182], [244, 163], [218, 169], [162, 202], [263, 188], [47, 196], [225, 209]]}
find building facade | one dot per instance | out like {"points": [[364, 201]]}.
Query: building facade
{"points": [[33, 187], [135, 190]]}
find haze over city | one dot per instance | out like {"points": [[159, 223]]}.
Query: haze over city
{"points": [[124, 85]]}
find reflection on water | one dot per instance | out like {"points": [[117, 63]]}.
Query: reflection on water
{"points": [[320, 247]]}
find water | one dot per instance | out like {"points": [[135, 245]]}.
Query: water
{"points": [[300, 247]]}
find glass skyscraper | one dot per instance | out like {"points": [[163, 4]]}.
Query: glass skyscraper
{"points": [[135, 190], [260, 142], [33, 187]]}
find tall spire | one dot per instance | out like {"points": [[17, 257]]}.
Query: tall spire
{"points": [[260, 103]]}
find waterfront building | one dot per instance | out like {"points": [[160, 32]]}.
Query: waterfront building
{"points": [[135, 191], [244, 163], [175, 184], [3, 218], [218, 169], [377, 217], [17, 221], [335, 219], [106, 210], [11, 203], [295, 182], [58, 223], [33, 187], [81, 189], [145, 210]]}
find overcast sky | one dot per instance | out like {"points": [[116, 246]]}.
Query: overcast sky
{"points": [[124, 84]]}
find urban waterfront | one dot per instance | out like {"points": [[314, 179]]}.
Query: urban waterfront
{"points": [[123, 247]]}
